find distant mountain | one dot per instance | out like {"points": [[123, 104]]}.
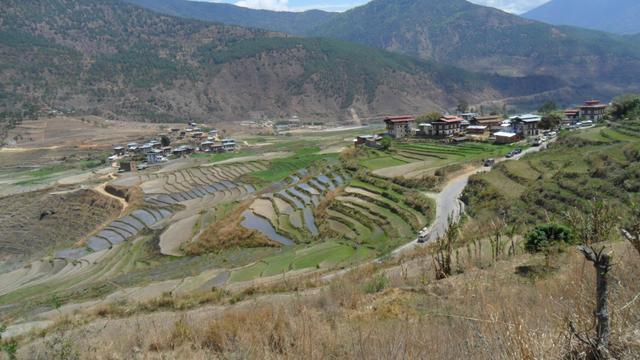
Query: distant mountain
{"points": [[616, 16], [484, 39], [118, 60], [298, 23]]}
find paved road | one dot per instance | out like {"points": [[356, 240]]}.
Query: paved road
{"points": [[448, 203]]}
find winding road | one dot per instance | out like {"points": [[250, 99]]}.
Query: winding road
{"points": [[448, 203]]}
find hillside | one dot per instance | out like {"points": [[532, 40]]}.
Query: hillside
{"points": [[489, 40], [113, 59], [290, 22], [616, 16]]}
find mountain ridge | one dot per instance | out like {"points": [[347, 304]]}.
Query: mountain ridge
{"points": [[616, 16], [297, 23], [480, 38], [111, 58]]}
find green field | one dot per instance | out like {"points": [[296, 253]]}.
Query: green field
{"points": [[323, 256], [596, 163]]}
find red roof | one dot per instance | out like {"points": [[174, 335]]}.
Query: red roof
{"points": [[399, 119], [593, 104], [450, 119], [572, 111]]}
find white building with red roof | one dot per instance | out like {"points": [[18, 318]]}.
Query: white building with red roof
{"points": [[400, 127]]}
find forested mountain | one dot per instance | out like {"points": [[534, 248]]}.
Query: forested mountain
{"points": [[290, 22], [462, 34], [485, 39], [108, 57], [617, 16]]}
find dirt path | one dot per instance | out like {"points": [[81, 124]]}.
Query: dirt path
{"points": [[101, 190]]}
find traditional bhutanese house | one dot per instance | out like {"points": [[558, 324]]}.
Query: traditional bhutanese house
{"points": [[573, 115], [368, 140], [593, 110], [118, 150], [166, 151], [526, 125], [505, 137], [399, 126], [445, 126], [206, 146], [229, 144], [154, 156], [146, 148], [197, 134], [477, 129], [492, 122]]}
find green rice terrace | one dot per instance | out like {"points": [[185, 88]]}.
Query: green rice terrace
{"points": [[275, 207], [419, 158], [600, 162]]}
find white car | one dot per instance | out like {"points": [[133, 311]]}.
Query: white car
{"points": [[113, 158]]}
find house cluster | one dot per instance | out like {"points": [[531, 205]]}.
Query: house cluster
{"points": [[590, 112], [468, 126], [183, 142]]}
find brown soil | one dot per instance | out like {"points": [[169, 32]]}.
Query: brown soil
{"points": [[228, 233], [34, 224]]}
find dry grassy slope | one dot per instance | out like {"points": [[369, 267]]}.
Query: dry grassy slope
{"points": [[33, 224], [489, 313]]}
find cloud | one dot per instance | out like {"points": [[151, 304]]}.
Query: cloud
{"points": [[278, 5]]}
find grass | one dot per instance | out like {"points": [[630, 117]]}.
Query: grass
{"points": [[586, 164], [325, 255], [382, 162], [279, 169]]}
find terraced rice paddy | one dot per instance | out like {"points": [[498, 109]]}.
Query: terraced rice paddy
{"points": [[421, 158], [286, 216], [319, 256]]}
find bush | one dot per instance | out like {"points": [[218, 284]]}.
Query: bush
{"points": [[545, 237], [377, 284]]}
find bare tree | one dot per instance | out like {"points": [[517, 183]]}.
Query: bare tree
{"points": [[602, 262], [596, 224]]}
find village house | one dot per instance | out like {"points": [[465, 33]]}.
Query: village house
{"points": [[118, 150], [526, 125], [443, 127], [593, 110], [503, 137], [206, 146], [371, 141], [229, 144], [571, 116], [478, 132], [399, 127], [154, 156], [492, 122]]}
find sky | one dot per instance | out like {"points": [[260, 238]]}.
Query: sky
{"points": [[513, 6]]}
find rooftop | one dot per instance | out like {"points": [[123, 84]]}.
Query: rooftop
{"points": [[399, 119], [505, 134], [450, 119]]}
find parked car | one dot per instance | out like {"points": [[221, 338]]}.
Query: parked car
{"points": [[489, 162], [509, 155], [517, 151], [423, 238]]}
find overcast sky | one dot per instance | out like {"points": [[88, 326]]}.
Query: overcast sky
{"points": [[514, 6]]}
